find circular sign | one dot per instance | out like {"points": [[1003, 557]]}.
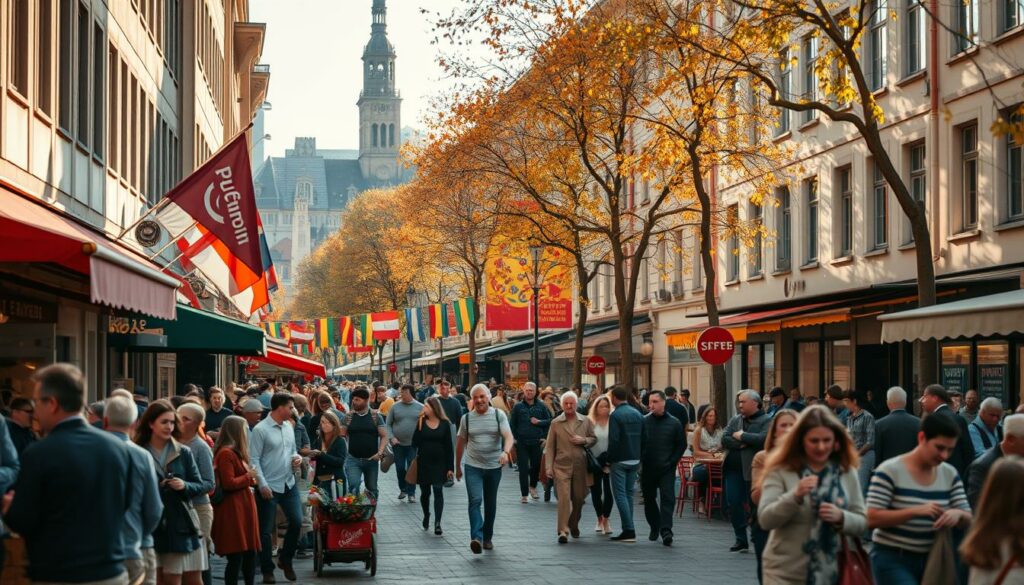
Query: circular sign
{"points": [[715, 345], [148, 233], [595, 364], [392, 368]]}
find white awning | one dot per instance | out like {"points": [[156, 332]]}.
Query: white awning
{"points": [[432, 358], [998, 314], [360, 365]]}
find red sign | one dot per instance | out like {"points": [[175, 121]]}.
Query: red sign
{"points": [[715, 345], [392, 368], [595, 364]]}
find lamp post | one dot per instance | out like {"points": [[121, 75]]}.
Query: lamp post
{"points": [[261, 139], [411, 297], [535, 253]]}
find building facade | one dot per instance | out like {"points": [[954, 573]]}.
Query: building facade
{"points": [[104, 106]]}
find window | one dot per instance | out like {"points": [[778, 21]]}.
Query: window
{"points": [[756, 219], [915, 42], [19, 47], [84, 59], [966, 31], [876, 44], [1013, 14], [373, 134], [808, 363], [918, 182], [1014, 174], [609, 294], [645, 281], [837, 362], [595, 289], [968, 177], [811, 197], [809, 50], [123, 121], [44, 58], [698, 265], [879, 202], [99, 58], [112, 115], [732, 254], [785, 90], [844, 205], [391, 134], [65, 66], [783, 218], [677, 261]]}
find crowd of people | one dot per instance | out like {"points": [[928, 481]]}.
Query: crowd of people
{"points": [[162, 485]]}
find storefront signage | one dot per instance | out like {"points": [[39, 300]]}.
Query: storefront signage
{"points": [[954, 377], [22, 310], [127, 325], [791, 287], [595, 365], [392, 367], [992, 381], [715, 345]]}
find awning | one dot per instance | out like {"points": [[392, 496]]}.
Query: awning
{"points": [[360, 365], [593, 338], [430, 359], [31, 232], [751, 322], [198, 331], [998, 314], [289, 361]]}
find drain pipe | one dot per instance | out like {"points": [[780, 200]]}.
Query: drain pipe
{"points": [[933, 149]]}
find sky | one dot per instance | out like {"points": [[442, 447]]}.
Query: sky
{"points": [[314, 48]]}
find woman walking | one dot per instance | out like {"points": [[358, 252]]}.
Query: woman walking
{"points": [[566, 463], [181, 557], [330, 458], [782, 422], [236, 530], [601, 489], [810, 498], [994, 548], [435, 459]]}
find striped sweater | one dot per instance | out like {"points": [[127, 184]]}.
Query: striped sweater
{"points": [[893, 488]]}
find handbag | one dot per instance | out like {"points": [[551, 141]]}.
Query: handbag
{"points": [[593, 465], [941, 566], [217, 495], [1005, 571], [387, 459], [413, 471], [854, 564]]}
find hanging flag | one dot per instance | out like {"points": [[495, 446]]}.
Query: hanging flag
{"points": [[274, 329], [465, 314], [438, 320], [346, 332], [385, 325], [452, 329], [300, 333], [326, 332], [365, 329], [414, 325]]}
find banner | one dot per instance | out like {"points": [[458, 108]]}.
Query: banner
{"points": [[385, 325], [438, 321], [509, 295], [465, 314], [347, 332], [414, 325]]}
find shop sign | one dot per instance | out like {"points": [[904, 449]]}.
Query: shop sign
{"points": [[715, 345], [128, 326], [22, 310], [392, 367], [595, 365], [954, 377], [992, 381]]}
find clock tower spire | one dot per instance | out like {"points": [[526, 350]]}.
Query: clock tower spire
{"points": [[379, 105]]}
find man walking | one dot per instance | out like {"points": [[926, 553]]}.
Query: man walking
{"points": [[70, 500], [971, 406], [896, 432], [743, 437], [1012, 444], [402, 419], [834, 400], [625, 430], [530, 422], [795, 401], [935, 401], [274, 458], [486, 441], [145, 508], [452, 406], [985, 431], [367, 439], [675, 408], [662, 443], [777, 400], [20, 423]]}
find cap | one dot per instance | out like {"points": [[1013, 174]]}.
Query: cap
{"points": [[252, 406]]}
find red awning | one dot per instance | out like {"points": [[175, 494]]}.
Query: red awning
{"points": [[31, 232], [289, 361]]}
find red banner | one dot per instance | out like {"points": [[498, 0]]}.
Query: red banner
{"points": [[510, 296]]}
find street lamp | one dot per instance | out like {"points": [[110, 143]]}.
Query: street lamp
{"points": [[411, 297], [535, 253], [261, 139]]}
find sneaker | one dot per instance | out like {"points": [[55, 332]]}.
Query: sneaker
{"points": [[739, 546], [401, 496], [474, 545], [523, 500], [666, 540], [653, 535], [625, 536], [268, 579], [412, 499], [563, 538], [533, 493], [488, 545]]}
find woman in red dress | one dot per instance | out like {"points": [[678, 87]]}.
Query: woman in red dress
{"points": [[236, 532]]}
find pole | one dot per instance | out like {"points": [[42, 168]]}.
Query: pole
{"points": [[536, 335], [410, 357], [442, 357], [394, 349]]}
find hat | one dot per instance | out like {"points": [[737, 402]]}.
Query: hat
{"points": [[252, 406]]}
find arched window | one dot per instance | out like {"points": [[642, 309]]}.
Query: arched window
{"points": [[375, 135], [391, 70], [383, 135], [391, 135]]}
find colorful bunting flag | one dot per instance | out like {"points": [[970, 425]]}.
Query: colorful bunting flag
{"points": [[465, 314], [326, 332], [365, 329], [274, 329], [347, 331], [385, 325], [438, 321], [414, 325]]}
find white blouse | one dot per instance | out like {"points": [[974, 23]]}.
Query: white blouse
{"points": [[602, 440]]}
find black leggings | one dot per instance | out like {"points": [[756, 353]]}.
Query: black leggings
{"points": [[528, 457], [242, 560], [438, 489], [601, 494]]}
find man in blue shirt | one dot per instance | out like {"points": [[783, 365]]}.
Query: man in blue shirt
{"points": [[625, 428], [146, 509], [274, 457], [834, 400], [984, 429]]}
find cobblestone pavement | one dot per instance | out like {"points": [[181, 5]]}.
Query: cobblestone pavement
{"points": [[525, 549]]}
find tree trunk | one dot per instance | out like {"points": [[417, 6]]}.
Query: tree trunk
{"points": [[577, 350]]}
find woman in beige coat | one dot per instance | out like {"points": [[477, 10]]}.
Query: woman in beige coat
{"points": [[565, 461], [810, 499]]}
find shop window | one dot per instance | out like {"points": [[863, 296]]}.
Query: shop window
{"points": [[993, 371], [837, 362], [754, 379], [808, 361], [760, 366], [956, 365]]}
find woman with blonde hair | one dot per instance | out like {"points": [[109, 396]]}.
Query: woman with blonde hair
{"points": [[601, 490], [810, 498], [782, 422], [994, 547], [236, 530]]}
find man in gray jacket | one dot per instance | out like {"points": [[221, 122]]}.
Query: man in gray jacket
{"points": [[401, 424], [743, 437]]}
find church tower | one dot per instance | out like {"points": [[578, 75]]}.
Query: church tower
{"points": [[379, 104]]}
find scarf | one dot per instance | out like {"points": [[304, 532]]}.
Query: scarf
{"points": [[823, 543]]}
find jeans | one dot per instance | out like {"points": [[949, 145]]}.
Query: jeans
{"points": [[894, 566], [760, 538], [623, 484], [737, 497], [601, 494], [403, 459], [699, 475], [267, 510], [867, 465], [659, 511], [357, 470], [528, 458], [482, 488]]}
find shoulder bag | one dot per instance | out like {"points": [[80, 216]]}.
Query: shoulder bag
{"points": [[1005, 571], [941, 566], [413, 471], [854, 564]]}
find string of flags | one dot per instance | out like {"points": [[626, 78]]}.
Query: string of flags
{"points": [[356, 334]]}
